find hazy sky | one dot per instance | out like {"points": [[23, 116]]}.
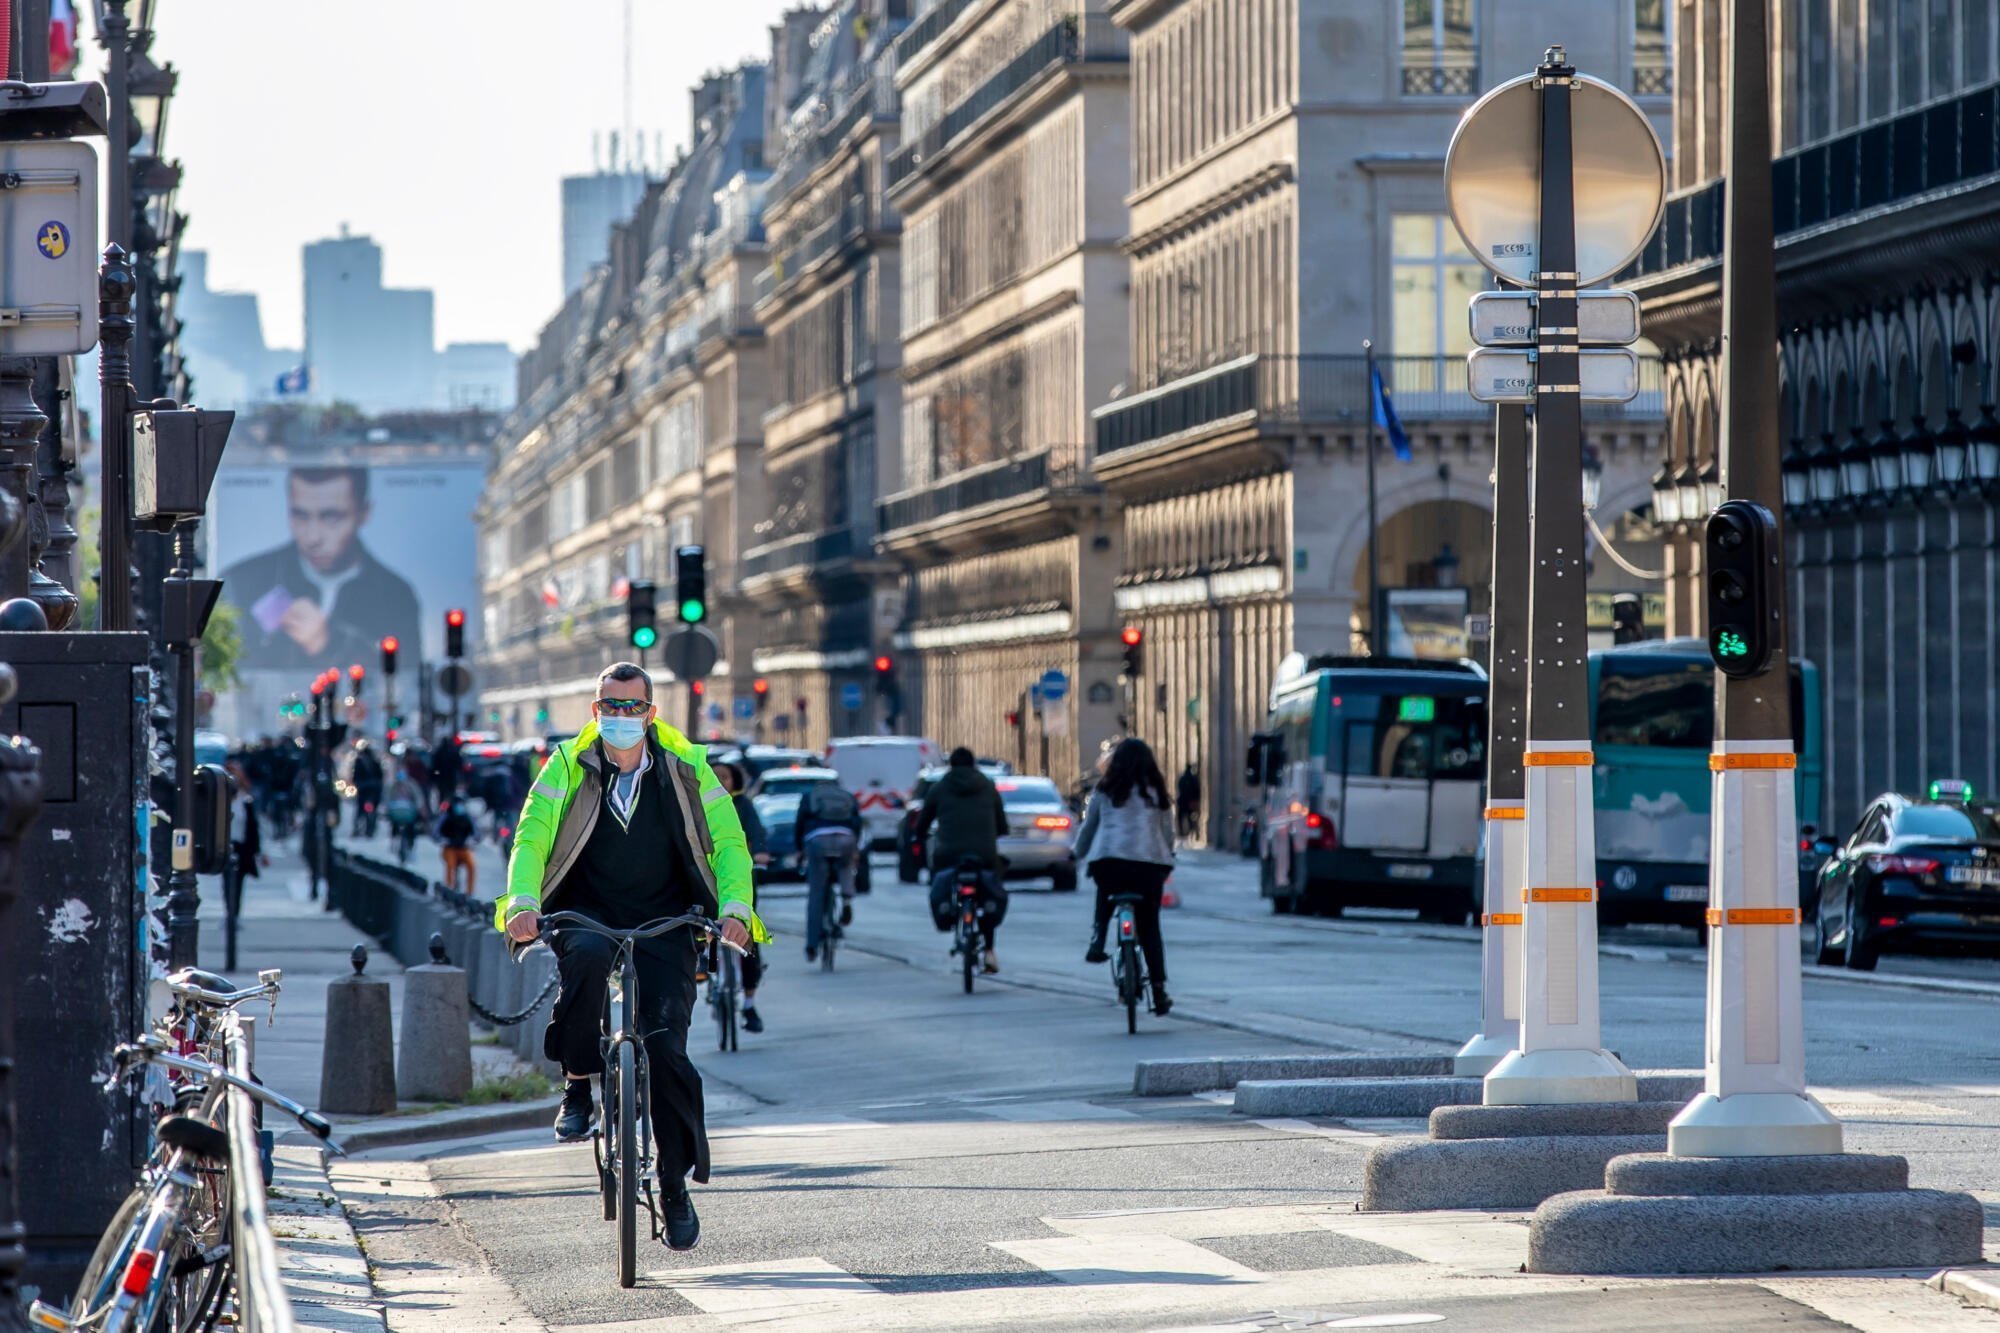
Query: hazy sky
{"points": [[441, 128]]}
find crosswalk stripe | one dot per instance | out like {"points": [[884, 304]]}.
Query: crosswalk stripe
{"points": [[1127, 1259], [754, 1292]]}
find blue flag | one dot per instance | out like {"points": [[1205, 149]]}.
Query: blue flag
{"points": [[1386, 418], [296, 380]]}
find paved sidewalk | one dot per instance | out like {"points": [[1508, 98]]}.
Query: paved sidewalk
{"points": [[325, 1269]]}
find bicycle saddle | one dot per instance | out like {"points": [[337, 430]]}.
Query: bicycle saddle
{"points": [[194, 976], [192, 1136]]}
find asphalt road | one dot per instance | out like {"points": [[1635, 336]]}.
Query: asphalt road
{"points": [[892, 1153]]}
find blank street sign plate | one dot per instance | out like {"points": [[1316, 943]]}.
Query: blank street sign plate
{"points": [[1499, 375], [1507, 319]]}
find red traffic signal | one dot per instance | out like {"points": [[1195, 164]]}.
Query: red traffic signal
{"points": [[884, 665], [1134, 640], [454, 633], [390, 643], [760, 686], [455, 618], [319, 686], [699, 687], [1131, 636], [356, 672]]}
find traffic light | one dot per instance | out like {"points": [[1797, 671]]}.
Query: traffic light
{"points": [[1745, 589], [1134, 640], [454, 633], [885, 674], [1628, 618], [541, 717], [761, 688], [698, 688], [390, 644], [357, 674], [640, 614], [691, 584]]}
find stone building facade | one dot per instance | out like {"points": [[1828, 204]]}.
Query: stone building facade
{"points": [[829, 300], [1887, 214], [1291, 210]]}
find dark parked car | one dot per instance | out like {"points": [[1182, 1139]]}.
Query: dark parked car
{"points": [[1914, 869]]}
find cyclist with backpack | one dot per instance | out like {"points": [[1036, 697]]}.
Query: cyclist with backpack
{"points": [[828, 834]]}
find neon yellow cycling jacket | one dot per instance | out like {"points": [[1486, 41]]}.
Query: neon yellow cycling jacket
{"points": [[555, 825]]}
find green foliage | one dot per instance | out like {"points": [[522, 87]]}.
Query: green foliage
{"points": [[222, 648]]}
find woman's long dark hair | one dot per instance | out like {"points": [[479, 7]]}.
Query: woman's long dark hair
{"points": [[1133, 768]]}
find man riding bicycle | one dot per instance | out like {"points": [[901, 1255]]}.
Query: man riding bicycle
{"points": [[964, 811], [626, 824], [827, 836]]}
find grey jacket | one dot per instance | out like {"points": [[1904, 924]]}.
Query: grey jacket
{"points": [[1134, 831]]}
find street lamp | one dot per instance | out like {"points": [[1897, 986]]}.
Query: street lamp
{"points": [[1855, 471], [1444, 565], [1823, 476], [1712, 494], [1953, 443], [1694, 495], [1666, 498], [152, 87], [1593, 477], [1919, 458], [1885, 457], [1795, 474], [1983, 459]]}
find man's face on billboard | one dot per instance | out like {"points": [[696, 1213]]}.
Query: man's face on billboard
{"points": [[325, 518]]}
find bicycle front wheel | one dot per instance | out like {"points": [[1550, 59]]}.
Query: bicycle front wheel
{"points": [[99, 1284], [628, 1165]]}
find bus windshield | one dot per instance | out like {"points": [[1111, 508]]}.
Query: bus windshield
{"points": [[1414, 736]]}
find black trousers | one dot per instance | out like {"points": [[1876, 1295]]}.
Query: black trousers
{"points": [[665, 970], [1147, 879]]}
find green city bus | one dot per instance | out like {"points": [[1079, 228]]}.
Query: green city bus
{"points": [[1652, 728]]}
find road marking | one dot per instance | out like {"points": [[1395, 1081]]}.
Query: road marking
{"points": [[1884, 1304], [1053, 1111], [756, 1292], [1854, 1104], [746, 1129], [1462, 1240], [1194, 1223], [1128, 1260]]}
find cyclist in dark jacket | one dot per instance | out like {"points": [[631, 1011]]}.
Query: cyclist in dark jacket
{"points": [[754, 833], [964, 818]]}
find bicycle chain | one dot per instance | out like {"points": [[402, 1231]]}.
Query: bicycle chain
{"points": [[499, 1021]]}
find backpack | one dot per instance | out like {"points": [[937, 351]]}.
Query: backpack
{"points": [[832, 803]]}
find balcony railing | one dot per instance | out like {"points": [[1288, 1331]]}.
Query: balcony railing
{"points": [[1445, 78], [1079, 37], [1054, 470], [728, 323], [1953, 142], [864, 96], [806, 550], [928, 28], [816, 245], [1316, 389]]}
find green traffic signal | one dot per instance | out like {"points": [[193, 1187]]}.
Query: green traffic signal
{"points": [[692, 612], [1730, 644], [645, 636]]}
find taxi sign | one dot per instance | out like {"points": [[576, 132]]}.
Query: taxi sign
{"points": [[1951, 789]]}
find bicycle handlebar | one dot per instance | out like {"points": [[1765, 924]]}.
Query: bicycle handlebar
{"points": [[267, 987], [152, 1050], [652, 929]]}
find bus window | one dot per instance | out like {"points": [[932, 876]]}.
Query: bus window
{"points": [[1451, 744], [1669, 702]]}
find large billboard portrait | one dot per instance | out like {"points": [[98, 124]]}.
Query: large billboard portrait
{"points": [[325, 560]]}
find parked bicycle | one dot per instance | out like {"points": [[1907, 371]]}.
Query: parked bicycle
{"points": [[166, 1262], [623, 1142], [1128, 968]]}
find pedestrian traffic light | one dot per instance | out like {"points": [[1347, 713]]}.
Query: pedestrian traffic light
{"points": [[761, 688], [1746, 602], [390, 644], [454, 633], [691, 584], [640, 614], [1134, 640]]}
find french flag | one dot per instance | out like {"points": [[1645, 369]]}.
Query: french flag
{"points": [[63, 53]]}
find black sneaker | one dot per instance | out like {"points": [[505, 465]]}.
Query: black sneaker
{"points": [[574, 1116], [812, 954], [683, 1226], [847, 913], [751, 1022]]}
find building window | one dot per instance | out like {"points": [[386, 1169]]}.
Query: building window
{"points": [[1433, 278], [1439, 58], [1652, 69]]}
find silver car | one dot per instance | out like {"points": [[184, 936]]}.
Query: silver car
{"points": [[1039, 830]]}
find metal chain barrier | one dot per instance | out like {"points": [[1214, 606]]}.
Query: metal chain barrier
{"points": [[499, 1020]]}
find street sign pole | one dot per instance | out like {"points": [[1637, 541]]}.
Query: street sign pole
{"points": [[1755, 1101], [1561, 1057], [1506, 731]]}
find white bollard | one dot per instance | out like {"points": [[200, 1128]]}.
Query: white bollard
{"points": [[1755, 1103], [1561, 1057], [1500, 942]]}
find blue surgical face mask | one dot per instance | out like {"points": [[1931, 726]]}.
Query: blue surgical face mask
{"points": [[621, 733]]}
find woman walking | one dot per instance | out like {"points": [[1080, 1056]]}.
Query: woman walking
{"points": [[1126, 845]]}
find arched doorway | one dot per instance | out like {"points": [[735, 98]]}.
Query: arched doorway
{"points": [[1444, 550]]}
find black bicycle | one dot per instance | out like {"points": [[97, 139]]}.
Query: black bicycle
{"points": [[1128, 969], [965, 938], [623, 1142], [725, 990]]}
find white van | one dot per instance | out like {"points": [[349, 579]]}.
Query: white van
{"points": [[881, 771]]}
